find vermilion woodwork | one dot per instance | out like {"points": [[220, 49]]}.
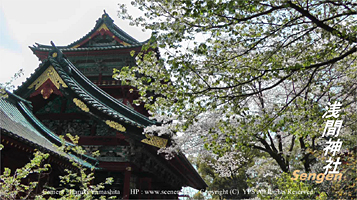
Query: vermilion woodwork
{"points": [[46, 89]]}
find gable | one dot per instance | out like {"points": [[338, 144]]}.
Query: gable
{"points": [[103, 36], [49, 74]]}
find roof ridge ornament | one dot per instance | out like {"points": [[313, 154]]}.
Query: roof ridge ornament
{"points": [[57, 55], [107, 19], [55, 51]]}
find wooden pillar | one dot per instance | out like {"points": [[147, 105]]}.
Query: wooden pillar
{"points": [[127, 176]]}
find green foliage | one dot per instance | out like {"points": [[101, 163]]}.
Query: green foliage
{"points": [[289, 189], [12, 184], [346, 188], [198, 196], [286, 188], [76, 183]]}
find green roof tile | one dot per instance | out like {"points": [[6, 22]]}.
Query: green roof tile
{"points": [[19, 122], [86, 91]]}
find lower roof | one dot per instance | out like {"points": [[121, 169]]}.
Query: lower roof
{"points": [[18, 122]]}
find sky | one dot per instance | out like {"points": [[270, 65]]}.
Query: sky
{"points": [[24, 23]]}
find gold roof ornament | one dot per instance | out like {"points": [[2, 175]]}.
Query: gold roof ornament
{"points": [[115, 125], [155, 141], [81, 105], [49, 73]]}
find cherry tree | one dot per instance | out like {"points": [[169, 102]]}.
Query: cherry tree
{"points": [[236, 75]]}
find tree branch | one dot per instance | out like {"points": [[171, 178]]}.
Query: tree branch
{"points": [[320, 24], [253, 16], [272, 143], [280, 144]]}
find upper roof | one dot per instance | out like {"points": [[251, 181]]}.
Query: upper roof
{"points": [[111, 34], [18, 121], [67, 77]]}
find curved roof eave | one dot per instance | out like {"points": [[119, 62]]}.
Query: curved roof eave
{"points": [[88, 91], [41, 136], [96, 96], [67, 49]]}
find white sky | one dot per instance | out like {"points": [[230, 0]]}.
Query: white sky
{"points": [[22, 23]]}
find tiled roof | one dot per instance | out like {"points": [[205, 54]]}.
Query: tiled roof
{"points": [[65, 49], [19, 123], [87, 91]]}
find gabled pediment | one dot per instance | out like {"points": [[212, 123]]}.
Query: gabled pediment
{"points": [[101, 40], [103, 36]]}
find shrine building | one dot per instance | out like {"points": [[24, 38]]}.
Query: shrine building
{"points": [[72, 91]]}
